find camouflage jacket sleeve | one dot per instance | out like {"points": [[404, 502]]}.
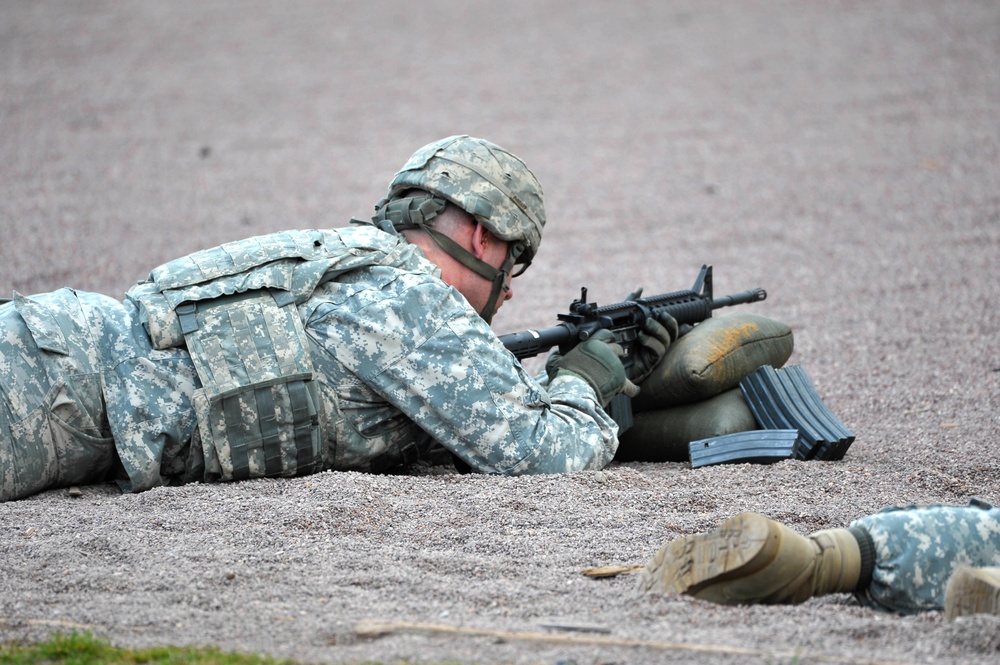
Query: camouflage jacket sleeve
{"points": [[418, 344]]}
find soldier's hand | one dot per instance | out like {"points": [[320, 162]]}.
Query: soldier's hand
{"points": [[653, 342], [598, 362]]}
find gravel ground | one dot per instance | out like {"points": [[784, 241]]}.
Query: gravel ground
{"points": [[843, 155]]}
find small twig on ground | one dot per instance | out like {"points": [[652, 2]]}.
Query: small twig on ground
{"points": [[373, 629]]}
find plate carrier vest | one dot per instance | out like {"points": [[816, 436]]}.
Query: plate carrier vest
{"points": [[234, 308]]}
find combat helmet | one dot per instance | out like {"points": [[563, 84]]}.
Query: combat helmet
{"points": [[486, 181]]}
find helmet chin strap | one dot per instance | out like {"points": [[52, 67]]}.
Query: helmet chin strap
{"points": [[501, 282], [416, 212]]}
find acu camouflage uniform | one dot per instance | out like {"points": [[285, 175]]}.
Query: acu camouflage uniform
{"points": [[917, 548], [276, 356]]}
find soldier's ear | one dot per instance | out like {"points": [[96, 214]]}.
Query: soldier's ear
{"points": [[481, 238]]}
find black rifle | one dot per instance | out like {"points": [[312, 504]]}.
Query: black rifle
{"points": [[625, 320]]}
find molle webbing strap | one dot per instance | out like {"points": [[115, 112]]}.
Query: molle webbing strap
{"points": [[236, 437], [269, 432], [304, 417]]}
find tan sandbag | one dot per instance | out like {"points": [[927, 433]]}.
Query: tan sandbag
{"points": [[713, 358], [663, 435]]}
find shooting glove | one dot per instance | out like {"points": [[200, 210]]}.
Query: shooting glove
{"points": [[598, 362], [653, 341]]}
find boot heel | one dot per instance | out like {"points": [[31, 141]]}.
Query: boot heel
{"points": [[972, 591]]}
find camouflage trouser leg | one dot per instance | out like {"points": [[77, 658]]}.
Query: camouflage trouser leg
{"points": [[918, 547], [53, 428]]}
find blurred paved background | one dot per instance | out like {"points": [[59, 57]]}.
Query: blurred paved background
{"points": [[843, 155]]}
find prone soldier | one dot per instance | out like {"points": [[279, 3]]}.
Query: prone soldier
{"points": [[362, 348]]}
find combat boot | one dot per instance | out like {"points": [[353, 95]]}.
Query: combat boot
{"points": [[972, 591], [751, 559]]}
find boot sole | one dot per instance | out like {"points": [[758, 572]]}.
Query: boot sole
{"points": [[972, 591], [688, 564]]}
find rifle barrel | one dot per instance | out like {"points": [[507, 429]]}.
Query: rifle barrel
{"points": [[753, 295]]}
